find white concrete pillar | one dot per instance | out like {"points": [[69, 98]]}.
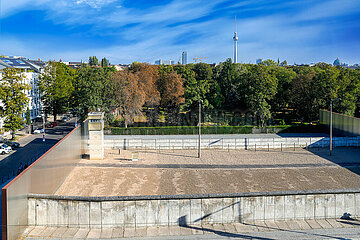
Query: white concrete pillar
{"points": [[96, 135]]}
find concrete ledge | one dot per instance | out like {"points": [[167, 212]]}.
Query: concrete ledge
{"points": [[114, 212], [193, 196]]}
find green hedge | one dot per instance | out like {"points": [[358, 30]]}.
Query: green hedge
{"points": [[190, 130]]}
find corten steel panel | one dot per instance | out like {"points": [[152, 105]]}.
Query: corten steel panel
{"points": [[357, 126], [342, 124], [45, 175]]}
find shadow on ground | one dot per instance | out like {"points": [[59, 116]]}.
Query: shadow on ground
{"points": [[182, 222]]}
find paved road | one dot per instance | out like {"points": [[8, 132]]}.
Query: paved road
{"points": [[31, 147], [217, 136]]}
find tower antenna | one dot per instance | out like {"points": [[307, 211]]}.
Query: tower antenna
{"points": [[235, 23]]}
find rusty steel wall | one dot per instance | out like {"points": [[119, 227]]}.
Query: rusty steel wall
{"points": [[342, 124]]}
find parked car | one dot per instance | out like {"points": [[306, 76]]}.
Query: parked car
{"points": [[2, 151], [40, 130], [10, 143], [5, 148], [38, 119], [54, 124], [64, 119]]}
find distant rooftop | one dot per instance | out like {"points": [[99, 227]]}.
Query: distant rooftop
{"points": [[21, 63]]}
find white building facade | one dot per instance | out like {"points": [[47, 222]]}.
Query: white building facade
{"points": [[31, 71]]}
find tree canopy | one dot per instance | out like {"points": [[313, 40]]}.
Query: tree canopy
{"points": [[13, 98], [264, 92], [56, 87]]}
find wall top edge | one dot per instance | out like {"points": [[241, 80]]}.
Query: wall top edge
{"points": [[335, 113], [192, 196]]}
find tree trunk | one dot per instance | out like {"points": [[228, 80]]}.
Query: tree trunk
{"points": [[13, 137], [55, 114]]}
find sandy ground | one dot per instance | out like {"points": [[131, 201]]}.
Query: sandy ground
{"points": [[181, 172]]}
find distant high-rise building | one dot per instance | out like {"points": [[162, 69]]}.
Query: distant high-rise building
{"points": [[337, 62], [164, 62], [258, 61], [184, 58]]}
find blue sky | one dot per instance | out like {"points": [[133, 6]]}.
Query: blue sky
{"points": [[300, 31]]}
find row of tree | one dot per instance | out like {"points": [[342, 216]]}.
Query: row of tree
{"points": [[264, 91], [93, 61]]}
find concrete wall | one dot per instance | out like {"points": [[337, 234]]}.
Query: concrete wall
{"points": [[240, 143], [164, 210], [342, 124]]}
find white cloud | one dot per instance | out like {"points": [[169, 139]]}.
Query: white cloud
{"points": [[95, 3], [151, 38], [332, 8], [9, 7]]}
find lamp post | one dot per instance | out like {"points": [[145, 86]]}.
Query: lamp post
{"points": [[44, 126], [331, 120], [199, 146]]}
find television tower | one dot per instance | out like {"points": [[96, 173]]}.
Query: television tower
{"points": [[235, 43]]}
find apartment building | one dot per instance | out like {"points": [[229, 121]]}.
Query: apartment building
{"points": [[31, 70]]}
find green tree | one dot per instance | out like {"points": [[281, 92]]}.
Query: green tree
{"points": [[284, 63], [348, 90], [269, 62], [13, 98], [93, 89], [27, 117], [258, 89], [104, 62], [227, 75], [56, 87], [285, 77], [302, 95], [197, 85], [357, 96], [93, 61]]}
